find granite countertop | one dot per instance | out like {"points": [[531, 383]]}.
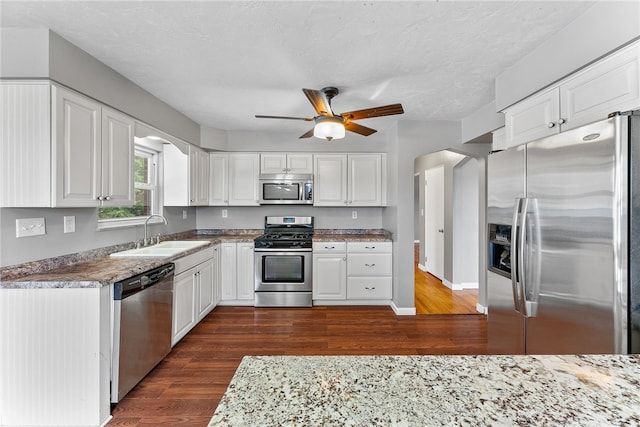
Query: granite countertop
{"points": [[96, 268], [352, 236], [571, 390]]}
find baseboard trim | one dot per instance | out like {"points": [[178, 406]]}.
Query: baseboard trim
{"points": [[422, 267], [481, 309], [403, 311], [460, 286]]}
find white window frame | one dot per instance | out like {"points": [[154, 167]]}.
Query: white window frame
{"points": [[153, 150]]}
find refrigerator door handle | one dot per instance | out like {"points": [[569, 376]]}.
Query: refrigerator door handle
{"points": [[516, 251], [520, 260], [531, 259]]}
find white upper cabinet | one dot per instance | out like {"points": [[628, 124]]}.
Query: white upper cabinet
{"points": [[610, 85], [117, 158], [186, 175], [293, 163], [244, 172], [234, 179], [350, 180], [62, 149], [218, 179]]}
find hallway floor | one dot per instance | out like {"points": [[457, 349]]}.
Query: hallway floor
{"points": [[432, 297]]}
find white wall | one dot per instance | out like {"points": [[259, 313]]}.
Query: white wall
{"points": [[465, 240]]}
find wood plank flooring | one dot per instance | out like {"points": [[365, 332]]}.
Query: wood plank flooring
{"points": [[186, 387], [432, 297]]}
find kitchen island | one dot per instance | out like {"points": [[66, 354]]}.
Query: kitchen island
{"points": [[571, 390]]}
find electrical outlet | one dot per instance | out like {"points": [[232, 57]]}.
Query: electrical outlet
{"points": [[70, 224], [224, 213], [354, 214], [184, 214], [27, 227]]}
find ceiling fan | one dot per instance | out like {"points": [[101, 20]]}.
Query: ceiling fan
{"points": [[329, 125]]}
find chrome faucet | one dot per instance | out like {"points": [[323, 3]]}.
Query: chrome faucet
{"points": [[146, 240]]}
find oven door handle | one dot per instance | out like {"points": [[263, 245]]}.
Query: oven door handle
{"points": [[283, 250]]}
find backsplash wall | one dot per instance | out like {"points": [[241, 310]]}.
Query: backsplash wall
{"points": [[253, 217], [55, 242]]}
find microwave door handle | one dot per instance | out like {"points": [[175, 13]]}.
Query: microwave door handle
{"points": [[515, 255]]}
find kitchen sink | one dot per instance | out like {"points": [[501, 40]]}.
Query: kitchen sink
{"points": [[162, 249]]}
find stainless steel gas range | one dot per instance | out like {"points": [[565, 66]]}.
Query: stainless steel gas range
{"points": [[283, 262]]}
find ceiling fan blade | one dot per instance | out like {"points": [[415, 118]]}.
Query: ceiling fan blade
{"points": [[362, 130], [319, 101], [386, 110], [258, 116], [308, 134]]}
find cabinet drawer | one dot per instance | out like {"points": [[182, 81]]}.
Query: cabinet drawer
{"points": [[189, 261], [369, 265], [366, 247], [369, 288], [329, 247]]}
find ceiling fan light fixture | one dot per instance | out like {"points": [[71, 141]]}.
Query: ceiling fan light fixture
{"points": [[329, 127]]}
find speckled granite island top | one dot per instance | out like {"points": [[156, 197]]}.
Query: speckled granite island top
{"points": [[593, 390]]}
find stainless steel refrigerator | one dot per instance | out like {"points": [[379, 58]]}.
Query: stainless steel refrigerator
{"points": [[564, 242]]}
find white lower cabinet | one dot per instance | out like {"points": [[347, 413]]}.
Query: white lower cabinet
{"points": [[329, 270], [352, 272], [236, 273], [369, 270], [194, 290]]}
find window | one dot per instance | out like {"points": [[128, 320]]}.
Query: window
{"points": [[147, 192]]}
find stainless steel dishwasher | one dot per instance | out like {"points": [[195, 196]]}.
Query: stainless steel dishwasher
{"points": [[142, 327]]}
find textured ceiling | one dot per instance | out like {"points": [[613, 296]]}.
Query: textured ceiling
{"points": [[220, 63]]}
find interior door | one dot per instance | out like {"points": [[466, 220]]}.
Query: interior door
{"points": [[434, 221]]}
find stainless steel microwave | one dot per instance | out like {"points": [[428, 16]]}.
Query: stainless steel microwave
{"points": [[280, 189]]}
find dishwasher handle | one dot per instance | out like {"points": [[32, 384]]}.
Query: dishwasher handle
{"points": [[142, 281]]}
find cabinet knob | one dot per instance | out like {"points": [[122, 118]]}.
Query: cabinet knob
{"points": [[562, 121], [550, 125], [100, 198], [107, 198], [344, 259]]}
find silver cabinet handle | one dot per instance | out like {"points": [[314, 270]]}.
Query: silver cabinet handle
{"points": [[107, 198], [370, 288], [562, 121], [370, 265], [369, 247], [329, 247], [550, 125], [440, 230], [344, 259]]}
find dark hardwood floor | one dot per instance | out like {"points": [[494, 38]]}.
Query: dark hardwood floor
{"points": [[186, 387]]}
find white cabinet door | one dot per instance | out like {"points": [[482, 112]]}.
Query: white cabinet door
{"points": [[245, 268], [244, 171], [329, 276], [206, 289], [218, 179], [611, 85], [199, 176], [533, 118], [330, 180], [184, 299], [117, 159], [273, 163], [228, 271], [365, 180], [292, 163], [76, 150], [299, 163]]}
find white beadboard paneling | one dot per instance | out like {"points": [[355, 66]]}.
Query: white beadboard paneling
{"points": [[55, 358], [25, 145]]}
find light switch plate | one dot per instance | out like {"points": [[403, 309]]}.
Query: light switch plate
{"points": [[224, 213], [27, 227], [354, 214], [70, 224]]}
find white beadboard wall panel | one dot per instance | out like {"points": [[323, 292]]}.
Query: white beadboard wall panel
{"points": [[56, 365], [25, 157]]}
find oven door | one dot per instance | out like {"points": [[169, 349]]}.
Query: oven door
{"points": [[282, 271]]}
